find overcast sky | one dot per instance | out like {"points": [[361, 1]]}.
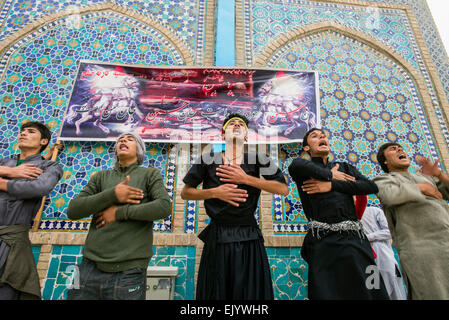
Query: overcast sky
{"points": [[440, 13]]}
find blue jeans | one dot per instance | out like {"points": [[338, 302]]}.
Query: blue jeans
{"points": [[98, 285]]}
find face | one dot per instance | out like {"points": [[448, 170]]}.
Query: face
{"points": [[318, 143], [126, 147], [235, 129], [396, 159], [30, 138]]}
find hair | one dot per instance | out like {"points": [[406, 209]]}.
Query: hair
{"points": [[306, 136], [381, 155], [235, 115], [42, 128]]}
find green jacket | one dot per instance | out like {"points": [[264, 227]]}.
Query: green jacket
{"points": [[128, 242]]}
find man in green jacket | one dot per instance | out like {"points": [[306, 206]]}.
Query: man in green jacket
{"points": [[124, 201]]}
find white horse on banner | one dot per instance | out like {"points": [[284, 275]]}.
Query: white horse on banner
{"points": [[118, 102]]}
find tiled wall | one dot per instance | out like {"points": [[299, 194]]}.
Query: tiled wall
{"points": [[64, 258], [367, 97], [288, 273]]}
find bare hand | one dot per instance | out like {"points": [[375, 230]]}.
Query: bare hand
{"points": [[105, 217], [312, 186], [232, 173], [26, 170], [427, 167], [231, 194], [127, 194], [338, 175]]}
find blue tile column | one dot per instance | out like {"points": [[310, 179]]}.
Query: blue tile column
{"points": [[225, 33]]}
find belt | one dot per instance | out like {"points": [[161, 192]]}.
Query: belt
{"points": [[348, 225]]}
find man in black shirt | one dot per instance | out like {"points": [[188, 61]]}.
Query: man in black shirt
{"points": [[234, 264], [341, 262]]}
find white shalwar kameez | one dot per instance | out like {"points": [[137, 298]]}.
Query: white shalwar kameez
{"points": [[376, 229]]}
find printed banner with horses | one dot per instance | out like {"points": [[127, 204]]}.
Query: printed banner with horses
{"points": [[188, 104]]}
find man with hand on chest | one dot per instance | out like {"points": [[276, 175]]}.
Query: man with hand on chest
{"points": [[124, 201], [234, 263], [337, 251], [24, 180]]}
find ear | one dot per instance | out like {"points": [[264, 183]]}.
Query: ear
{"points": [[306, 148]]}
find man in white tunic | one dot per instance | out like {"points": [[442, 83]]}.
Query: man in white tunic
{"points": [[376, 229], [418, 219]]}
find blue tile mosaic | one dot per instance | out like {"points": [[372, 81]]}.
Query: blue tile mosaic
{"points": [[288, 272], [366, 99], [186, 19], [64, 258], [36, 253]]}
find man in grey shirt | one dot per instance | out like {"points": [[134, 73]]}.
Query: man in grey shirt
{"points": [[24, 179]]}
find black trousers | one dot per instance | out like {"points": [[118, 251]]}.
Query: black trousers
{"points": [[243, 272]]}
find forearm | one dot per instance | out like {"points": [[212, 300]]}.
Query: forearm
{"points": [[3, 185], [271, 186], [392, 194], [158, 208], [190, 193], [150, 211], [4, 171], [379, 235], [358, 187], [35, 188]]}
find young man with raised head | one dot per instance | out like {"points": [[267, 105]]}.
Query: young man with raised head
{"points": [[234, 263], [339, 255], [124, 201], [24, 180], [417, 212]]}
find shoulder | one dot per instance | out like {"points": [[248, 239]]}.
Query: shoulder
{"points": [[386, 177], [299, 160], [7, 161], [52, 165], [149, 171]]}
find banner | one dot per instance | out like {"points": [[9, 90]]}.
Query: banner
{"points": [[166, 104]]}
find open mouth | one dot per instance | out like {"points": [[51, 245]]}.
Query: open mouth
{"points": [[123, 147], [323, 143], [402, 157]]}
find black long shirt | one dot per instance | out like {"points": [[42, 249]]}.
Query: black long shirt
{"points": [[244, 226], [256, 166], [336, 205]]}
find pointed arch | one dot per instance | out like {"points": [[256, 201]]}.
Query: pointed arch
{"points": [[263, 58], [177, 43]]}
